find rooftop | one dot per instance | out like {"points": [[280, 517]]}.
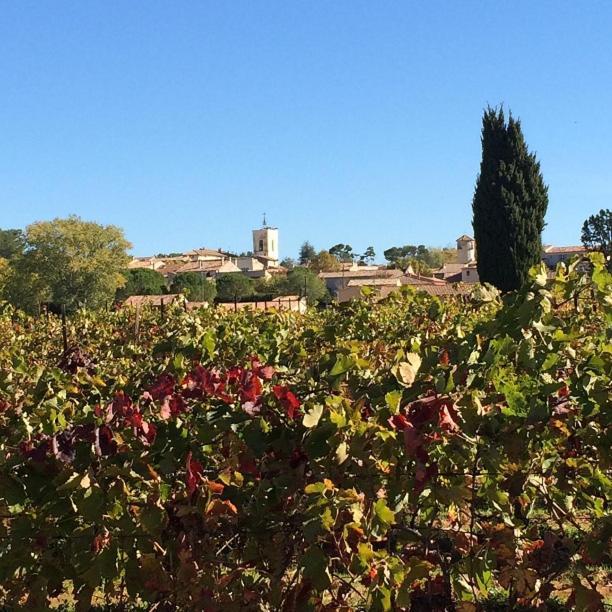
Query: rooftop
{"points": [[374, 282], [376, 273], [565, 249]]}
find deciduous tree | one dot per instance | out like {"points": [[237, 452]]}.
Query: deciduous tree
{"points": [[12, 243], [70, 262], [324, 261]]}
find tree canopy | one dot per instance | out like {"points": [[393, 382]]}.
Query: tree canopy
{"points": [[234, 286], [307, 253], [141, 281], [509, 205], [343, 252], [304, 282], [420, 257], [324, 261], [195, 287], [597, 234], [12, 243], [69, 262], [288, 263], [367, 257]]}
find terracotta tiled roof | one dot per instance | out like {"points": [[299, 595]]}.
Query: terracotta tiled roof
{"points": [[205, 266], [374, 282], [446, 290], [464, 237], [207, 252], [348, 274], [171, 268], [454, 278], [415, 279], [564, 249]]}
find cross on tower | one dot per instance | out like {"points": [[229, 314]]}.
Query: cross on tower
{"points": [[264, 220]]}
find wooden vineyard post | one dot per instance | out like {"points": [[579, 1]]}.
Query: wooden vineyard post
{"points": [[137, 322], [64, 329]]}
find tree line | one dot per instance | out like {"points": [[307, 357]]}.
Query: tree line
{"points": [[420, 258], [71, 263], [74, 263]]}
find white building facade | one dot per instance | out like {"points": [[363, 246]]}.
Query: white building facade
{"points": [[265, 243]]}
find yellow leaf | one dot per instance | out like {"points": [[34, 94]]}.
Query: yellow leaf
{"points": [[342, 453], [407, 370]]}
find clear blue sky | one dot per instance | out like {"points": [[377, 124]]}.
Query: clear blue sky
{"points": [[346, 121]]}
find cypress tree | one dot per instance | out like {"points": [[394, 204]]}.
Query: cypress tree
{"points": [[509, 205]]}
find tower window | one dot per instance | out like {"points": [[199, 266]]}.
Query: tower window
{"points": [[261, 243], [273, 245]]}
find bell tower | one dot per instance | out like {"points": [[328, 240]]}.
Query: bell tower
{"points": [[265, 242], [466, 249]]}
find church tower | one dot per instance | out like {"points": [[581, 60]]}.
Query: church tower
{"points": [[265, 243], [466, 249]]}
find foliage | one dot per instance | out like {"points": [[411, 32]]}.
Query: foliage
{"points": [[288, 263], [70, 262], [324, 261], [194, 286], [509, 205], [342, 252], [411, 454], [234, 286], [5, 272], [141, 281], [421, 258], [368, 256], [304, 282], [12, 243], [597, 233], [307, 253]]}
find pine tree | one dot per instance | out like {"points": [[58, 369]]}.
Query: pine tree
{"points": [[509, 205]]}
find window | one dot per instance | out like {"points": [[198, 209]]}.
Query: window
{"points": [[272, 245], [261, 245], [467, 272]]}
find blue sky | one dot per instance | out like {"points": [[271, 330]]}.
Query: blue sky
{"points": [[346, 121]]}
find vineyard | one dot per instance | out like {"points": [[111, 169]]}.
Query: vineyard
{"points": [[412, 454]]}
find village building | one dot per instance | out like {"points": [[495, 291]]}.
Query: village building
{"points": [[207, 268], [263, 261], [552, 255], [146, 263], [265, 244], [340, 279], [382, 287], [464, 270]]}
